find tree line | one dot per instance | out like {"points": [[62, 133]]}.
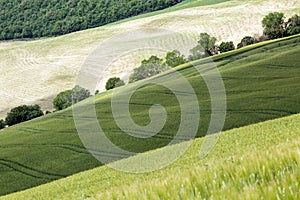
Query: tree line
{"points": [[274, 27], [34, 19]]}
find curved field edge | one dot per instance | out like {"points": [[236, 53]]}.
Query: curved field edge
{"points": [[257, 161]]}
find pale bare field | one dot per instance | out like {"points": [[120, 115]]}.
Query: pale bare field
{"points": [[35, 71]]}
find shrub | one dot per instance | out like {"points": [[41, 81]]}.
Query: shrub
{"points": [[65, 99], [246, 41], [175, 58], [226, 46], [22, 114], [2, 124], [148, 68], [113, 83]]}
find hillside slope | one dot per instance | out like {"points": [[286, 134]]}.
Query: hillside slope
{"points": [[262, 83], [233, 170], [35, 71]]}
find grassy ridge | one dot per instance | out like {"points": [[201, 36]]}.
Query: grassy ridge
{"points": [[261, 82], [232, 170]]}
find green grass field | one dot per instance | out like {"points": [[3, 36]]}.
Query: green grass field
{"points": [[253, 162], [262, 83]]}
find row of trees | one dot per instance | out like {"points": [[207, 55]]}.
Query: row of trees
{"points": [[28, 112], [40, 18], [274, 27]]}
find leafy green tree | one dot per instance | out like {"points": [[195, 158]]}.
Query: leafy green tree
{"points": [[206, 47], [274, 25], [63, 100], [66, 98], [22, 114], [248, 40], [113, 83], [2, 124], [79, 94], [175, 58], [293, 25], [226, 46], [148, 68]]}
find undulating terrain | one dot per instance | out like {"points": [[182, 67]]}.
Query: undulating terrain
{"points": [[261, 84], [38, 70]]}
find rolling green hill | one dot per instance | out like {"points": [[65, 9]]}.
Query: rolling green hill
{"points": [[40, 69], [262, 83], [257, 161]]}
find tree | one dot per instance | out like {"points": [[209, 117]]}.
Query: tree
{"points": [[113, 83], [66, 98], [226, 46], [148, 68], [274, 25], [63, 100], [79, 94], [293, 25], [175, 58], [23, 113], [246, 41], [2, 124], [205, 47]]}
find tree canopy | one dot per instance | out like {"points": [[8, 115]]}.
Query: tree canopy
{"points": [[206, 47], [22, 114], [148, 68], [113, 83], [66, 98], [175, 58], [274, 26], [226, 46], [40, 18]]}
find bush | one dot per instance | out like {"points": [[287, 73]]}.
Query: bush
{"points": [[22, 114], [2, 124], [206, 47], [226, 46], [113, 83], [246, 41], [65, 99], [148, 68], [175, 58]]}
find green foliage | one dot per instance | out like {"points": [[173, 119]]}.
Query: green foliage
{"points": [[23, 113], [248, 40], [226, 46], [175, 58], [148, 68], [113, 83], [2, 124], [66, 98], [274, 25], [293, 25], [63, 100], [206, 47], [38, 18]]}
